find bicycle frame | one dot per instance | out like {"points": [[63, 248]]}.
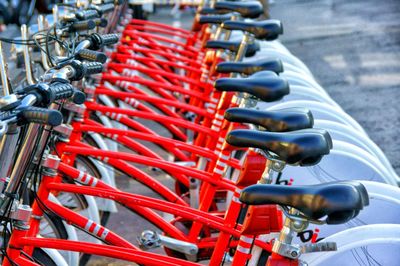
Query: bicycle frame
{"points": [[23, 238]]}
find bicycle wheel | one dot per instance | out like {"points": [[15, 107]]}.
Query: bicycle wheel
{"points": [[86, 165], [44, 258], [364, 245]]}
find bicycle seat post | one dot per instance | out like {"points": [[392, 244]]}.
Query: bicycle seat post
{"points": [[272, 171], [27, 59], [3, 72], [247, 38], [220, 30], [41, 27], [283, 245], [57, 47]]}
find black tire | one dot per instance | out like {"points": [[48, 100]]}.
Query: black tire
{"points": [[57, 224], [263, 258], [42, 257], [60, 232]]}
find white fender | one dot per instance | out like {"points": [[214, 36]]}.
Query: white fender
{"points": [[381, 241], [319, 111], [71, 257], [298, 93], [289, 58], [344, 162], [310, 81], [57, 258], [104, 204], [345, 133]]}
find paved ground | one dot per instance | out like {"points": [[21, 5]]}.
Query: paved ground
{"points": [[353, 49]]}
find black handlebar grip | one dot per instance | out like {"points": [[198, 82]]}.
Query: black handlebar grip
{"points": [[87, 14], [109, 39], [44, 116], [106, 8], [83, 25], [59, 91], [108, 1], [78, 97], [92, 56], [101, 22], [93, 68]]}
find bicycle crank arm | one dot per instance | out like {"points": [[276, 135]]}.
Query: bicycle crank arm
{"points": [[151, 239]]}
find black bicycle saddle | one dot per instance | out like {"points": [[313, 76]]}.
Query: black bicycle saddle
{"points": [[251, 67], [283, 120], [267, 89], [339, 201], [214, 19], [233, 46], [304, 147], [265, 30], [250, 9]]}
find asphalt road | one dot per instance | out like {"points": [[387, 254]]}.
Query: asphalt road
{"points": [[353, 50]]}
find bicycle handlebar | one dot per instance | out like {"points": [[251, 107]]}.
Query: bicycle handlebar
{"points": [[87, 14], [39, 115], [96, 41], [59, 91], [82, 25], [103, 9], [93, 68], [45, 94], [90, 55], [78, 97], [101, 22]]}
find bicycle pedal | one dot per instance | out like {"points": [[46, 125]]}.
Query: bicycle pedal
{"points": [[187, 164], [149, 239], [319, 247]]}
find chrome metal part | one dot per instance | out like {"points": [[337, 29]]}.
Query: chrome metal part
{"points": [[21, 213], [78, 109], [286, 250], [149, 239], [64, 73], [51, 162], [7, 101], [3, 72], [41, 27], [179, 245], [64, 130], [319, 247], [27, 59]]}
